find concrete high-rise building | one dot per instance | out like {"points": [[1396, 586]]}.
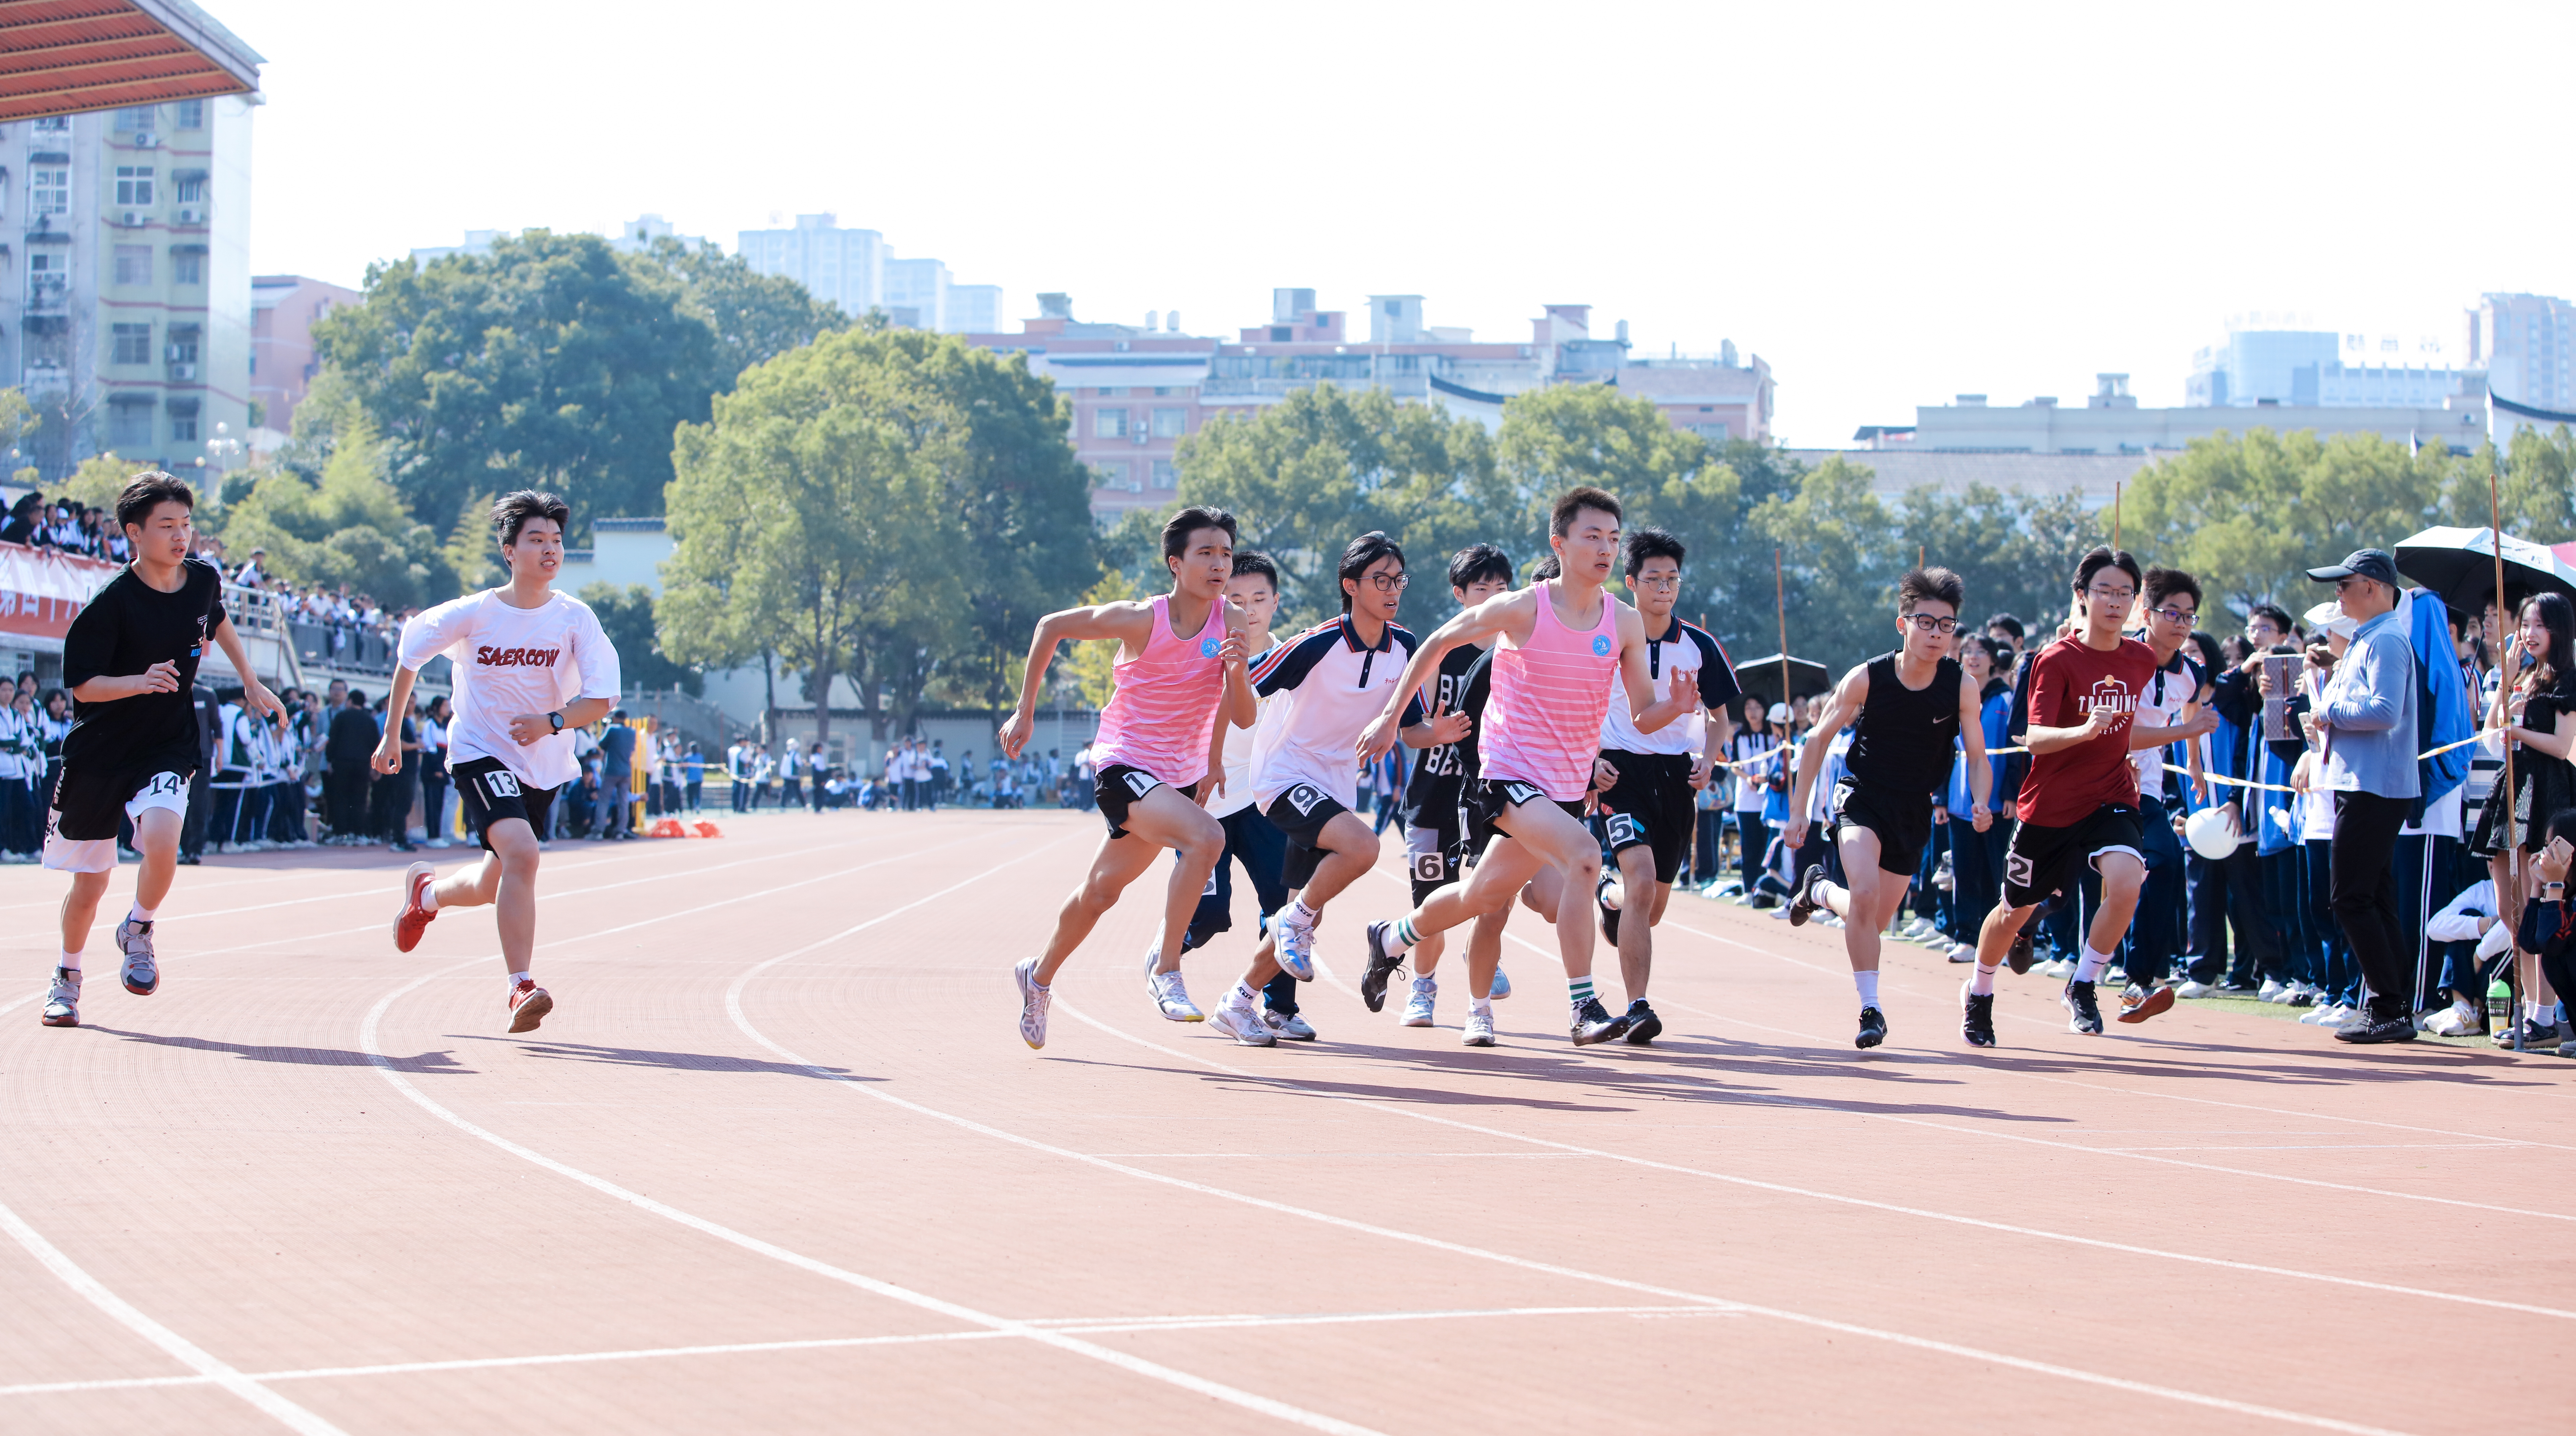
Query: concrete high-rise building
{"points": [[916, 293], [132, 332], [838, 266], [283, 308], [2522, 340], [2315, 368], [974, 308]]}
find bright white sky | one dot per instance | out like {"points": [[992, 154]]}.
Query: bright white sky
{"points": [[1891, 204]]}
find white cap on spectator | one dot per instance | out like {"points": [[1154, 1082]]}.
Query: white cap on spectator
{"points": [[2329, 617]]}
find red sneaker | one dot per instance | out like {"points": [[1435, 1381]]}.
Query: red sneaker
{"points": [[528, 1005], [411, 920]]}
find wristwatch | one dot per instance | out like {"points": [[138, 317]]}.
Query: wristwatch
{"points": [[556, 719]]}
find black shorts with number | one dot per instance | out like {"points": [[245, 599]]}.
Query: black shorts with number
{"points": [[1435, 849], [491, 792], [1120, 785], [1902, 821], [1301, 813], [1650, 806], [2041, 860], [92, 797], [1488, 799]]}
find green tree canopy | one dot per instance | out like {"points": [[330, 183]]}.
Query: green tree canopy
{"points": [[626, 616], [552, 362], [349, 526], [1309, 474]]}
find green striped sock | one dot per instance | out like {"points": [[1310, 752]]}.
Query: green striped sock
{"points": [[1405, 937], [1581, 990]]}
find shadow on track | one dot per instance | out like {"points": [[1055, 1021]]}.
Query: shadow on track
{"points": [[667, 1061], [431, 1064]]}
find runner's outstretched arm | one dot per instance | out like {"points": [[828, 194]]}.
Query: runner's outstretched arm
{"points": [[255, 694], [1129, 621], [1487, 619], [1640, 685], [1972, 736], [1839, 714]]}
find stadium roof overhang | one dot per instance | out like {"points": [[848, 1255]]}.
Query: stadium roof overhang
{"points": [[62, 57]]}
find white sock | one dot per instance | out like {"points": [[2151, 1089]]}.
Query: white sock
{"points": [[2092, 966], [1482, 1006], [1243, 995], [429, 896], [518, 977], [1867, 982], [140, 913], [1303, 915], [68, 959], [2531, 1008], [1983, 984], [2464, 1007]]}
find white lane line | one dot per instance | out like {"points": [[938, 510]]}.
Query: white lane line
{"points": [[2029, 1076], [733, 1006], [187, 1353], [1785, 1189], [1094, 1325], [954, 1310], [1822, 1104]]}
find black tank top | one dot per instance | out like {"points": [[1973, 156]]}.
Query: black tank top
{"points": [[1905, 736]]}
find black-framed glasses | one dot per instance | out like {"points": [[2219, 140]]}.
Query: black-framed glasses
{"points": [[1930, 623], [2176, 615], [1390, 582]]}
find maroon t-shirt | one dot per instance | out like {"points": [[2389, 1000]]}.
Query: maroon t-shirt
{"points": [[2071, 679]]}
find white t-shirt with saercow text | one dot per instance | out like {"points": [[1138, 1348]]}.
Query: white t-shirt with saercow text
{"points": [[511, 661]]}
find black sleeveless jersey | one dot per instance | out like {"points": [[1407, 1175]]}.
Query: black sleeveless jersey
{"points": [[1906, 737]]}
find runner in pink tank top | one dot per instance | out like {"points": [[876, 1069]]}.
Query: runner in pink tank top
{"points": [[1157, 720], [1551, 686], [1543, 722], [1160, 739]]}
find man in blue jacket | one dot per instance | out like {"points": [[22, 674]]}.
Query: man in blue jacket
{"points": [[2365, 724]]}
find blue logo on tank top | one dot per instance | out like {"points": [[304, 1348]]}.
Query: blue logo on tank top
{"points": [[1209, 645], [1601, 645]]}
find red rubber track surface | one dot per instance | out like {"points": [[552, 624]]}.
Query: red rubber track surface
{"points": [[779, 1162]]}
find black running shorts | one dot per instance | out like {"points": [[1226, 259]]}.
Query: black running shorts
{"points": [[2041, 860], [1903, 822], [1488, 799], [1650, 806], [1120, 785], [1301, 813], [491, 792]]}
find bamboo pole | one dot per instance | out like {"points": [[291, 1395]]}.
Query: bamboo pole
{"points": [[2509, 901], [1780, 595], [2115, 516]]}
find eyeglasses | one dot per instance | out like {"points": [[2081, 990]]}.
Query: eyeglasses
{"points": [[1927, 623], [1390, 582], [1670, 580], [2179, 616], [2112, 595]]}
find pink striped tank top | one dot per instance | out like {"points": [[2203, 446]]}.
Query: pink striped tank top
{"points": [[1157, 719], [1543, 719]]}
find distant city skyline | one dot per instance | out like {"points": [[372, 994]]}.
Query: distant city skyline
{"points": [[1891, 206]]}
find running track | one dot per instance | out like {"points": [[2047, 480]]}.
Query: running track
{"points": [[779, 1163]]}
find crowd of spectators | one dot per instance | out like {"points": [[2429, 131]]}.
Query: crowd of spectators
{"points": [[62, 524]]}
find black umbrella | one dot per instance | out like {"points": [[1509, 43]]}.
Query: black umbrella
{"points": [[1760, 678], [2459, 566]]}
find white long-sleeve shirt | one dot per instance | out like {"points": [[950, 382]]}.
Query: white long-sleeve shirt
{"points": [[2458, 922]]}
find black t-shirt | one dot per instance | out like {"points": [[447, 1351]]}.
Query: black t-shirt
{"points": [[125, 630], [1438, 775]]}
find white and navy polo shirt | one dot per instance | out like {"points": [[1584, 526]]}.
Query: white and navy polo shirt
{"points": [[1685, 647], [1324, 686]]}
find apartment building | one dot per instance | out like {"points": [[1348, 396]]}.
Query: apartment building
{"points": [[1138, 390], [129, 324], [283, 310], [855, 269]]}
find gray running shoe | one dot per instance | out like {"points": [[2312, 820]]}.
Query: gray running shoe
{"points": [[142, 975], [62, 1002]]}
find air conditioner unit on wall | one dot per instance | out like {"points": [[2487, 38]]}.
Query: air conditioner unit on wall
{"points": [[131, 219], [147, 141], [192, 216], [183, 372]]}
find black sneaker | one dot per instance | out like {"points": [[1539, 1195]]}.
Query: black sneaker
{"points": [[1976, 1016], [1803, 903], [2362, 1028], [1593, 1023], [1381, 966], [2084, 1013], [1643, 1025], [1601, 900], [1873, 1028], [2020, 959]]}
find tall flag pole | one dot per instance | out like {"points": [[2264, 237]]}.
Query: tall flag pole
{"points": [[1780, 594], [2510, 900]]}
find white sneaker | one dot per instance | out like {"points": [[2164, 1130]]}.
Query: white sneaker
{"points": [[1479, 1030], [1417, 1008], [2057, 967], [1963, 952], [1033, 1002], [1170, 995], [2192, 987], [2451, 1022], [1239, 1021], [2270, 991], [2314, 1015], [1291, 1026], [1294, 945]]}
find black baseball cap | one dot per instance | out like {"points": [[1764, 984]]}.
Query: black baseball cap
{"points": [[2370, 563]]}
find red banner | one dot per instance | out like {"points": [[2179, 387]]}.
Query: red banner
{"points": [[41, 589]]}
